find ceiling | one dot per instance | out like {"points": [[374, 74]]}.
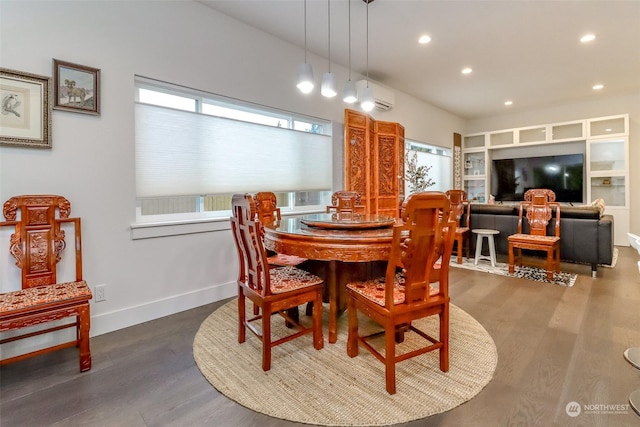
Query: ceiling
{"points": [[524, 51]]}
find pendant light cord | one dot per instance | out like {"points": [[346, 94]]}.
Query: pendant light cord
{"points": [[349, 40], [367, 42], [305, 31], [329, 30]]}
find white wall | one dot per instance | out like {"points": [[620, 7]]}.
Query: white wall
{"points": [[92, 159], [606, 106]]}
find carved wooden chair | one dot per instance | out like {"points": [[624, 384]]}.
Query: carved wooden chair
{"points": [[346, 201], [266, 210], [37, 245], [273, 290], [407, 293], [460, 213], [539, 205]]}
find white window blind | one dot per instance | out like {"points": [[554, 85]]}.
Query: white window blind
{"points": [[186, 153]]}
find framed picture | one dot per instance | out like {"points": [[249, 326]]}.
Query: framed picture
{"points": [[25, 109], [76, 87]]}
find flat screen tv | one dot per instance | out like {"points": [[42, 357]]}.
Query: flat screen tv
{"points": [[564, 174]]}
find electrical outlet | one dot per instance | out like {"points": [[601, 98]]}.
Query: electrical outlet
{"points": [[100, 293]]}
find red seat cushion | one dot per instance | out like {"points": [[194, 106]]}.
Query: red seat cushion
{"points": [[285, 279], [43, 295], [374, 289]]}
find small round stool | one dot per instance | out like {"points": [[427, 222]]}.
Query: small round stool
{"points": [[488, 233], [632, 355]]}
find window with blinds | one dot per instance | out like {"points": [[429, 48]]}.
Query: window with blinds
{"points": [[194, 150]]}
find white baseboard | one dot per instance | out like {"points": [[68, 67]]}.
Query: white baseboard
{"points": [[119, 319]]}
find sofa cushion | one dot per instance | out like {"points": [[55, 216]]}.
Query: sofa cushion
{"points": [[579, 212], [486, 209]]}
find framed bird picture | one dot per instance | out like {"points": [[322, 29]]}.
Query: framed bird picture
{"points": [[76, 87], [25, 109]]}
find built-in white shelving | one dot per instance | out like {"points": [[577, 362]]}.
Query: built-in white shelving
{"points": [[603, 140]]}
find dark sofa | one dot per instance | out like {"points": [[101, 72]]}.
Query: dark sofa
{"points": [[586, 236]]}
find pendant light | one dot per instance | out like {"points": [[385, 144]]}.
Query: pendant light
{"points": [[328, 88], [349, 93], [366, 99], [305, 73]]}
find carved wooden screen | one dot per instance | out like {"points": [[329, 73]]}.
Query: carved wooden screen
{"points": [[390, 167], [374, 162]]}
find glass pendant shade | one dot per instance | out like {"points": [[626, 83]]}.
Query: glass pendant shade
{"points": [[367, 101], [328, 88], [349, 94], [305, 78]]}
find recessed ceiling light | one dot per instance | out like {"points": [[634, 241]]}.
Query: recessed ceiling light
{"points": [[424, 39], [598, 87], [507, 103], [588, 38], [608, 130], [467, 70]]}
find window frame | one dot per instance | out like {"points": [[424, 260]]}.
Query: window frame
{"points": [[158, 225]]}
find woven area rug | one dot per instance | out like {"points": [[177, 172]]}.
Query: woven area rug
{"points": [[524, 272], [327, 387]]}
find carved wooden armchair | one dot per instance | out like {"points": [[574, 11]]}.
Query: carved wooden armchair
{"points": [[425, 238], [460, 213], [346, 201], [273, 290], [539, 205], [37, 245]]}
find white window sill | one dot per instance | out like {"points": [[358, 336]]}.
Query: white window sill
{"points": [[176, 228]]}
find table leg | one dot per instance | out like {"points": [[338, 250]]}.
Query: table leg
{"points": [[332, 283]]}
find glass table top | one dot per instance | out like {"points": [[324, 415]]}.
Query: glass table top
{"points": [[347, 220]]}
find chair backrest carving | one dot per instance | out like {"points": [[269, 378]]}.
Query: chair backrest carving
{"points": [[460, 207], [424, 238], [345, 201], [38, 240], [539, 204], [247, 232], [266, 207]]}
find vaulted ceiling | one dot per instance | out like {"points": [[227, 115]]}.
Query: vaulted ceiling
{"points": [[528, 52]]}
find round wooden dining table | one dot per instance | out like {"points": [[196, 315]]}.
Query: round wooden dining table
{"points": [[344, 240]]}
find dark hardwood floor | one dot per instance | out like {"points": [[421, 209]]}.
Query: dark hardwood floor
{"points": [[555, 345]]}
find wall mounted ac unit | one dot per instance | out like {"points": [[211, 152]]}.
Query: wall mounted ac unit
{"points": [[384, 98]]}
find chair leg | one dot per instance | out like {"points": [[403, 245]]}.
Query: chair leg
{"points": [[352, 337], [242, 317], [318, 339], [390, 358], [309, 309], [550, 264], [459, 248], [266, 337], [512, 267], [468, 240], [444, 338], [293, 313], [84, 320]]}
